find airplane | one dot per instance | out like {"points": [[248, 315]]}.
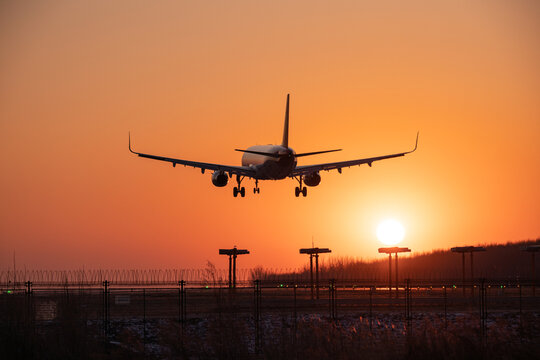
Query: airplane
{"points": [[271, 162]]}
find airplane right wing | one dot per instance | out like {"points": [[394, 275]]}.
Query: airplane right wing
{"points": [[307, 169], [232, 170]]}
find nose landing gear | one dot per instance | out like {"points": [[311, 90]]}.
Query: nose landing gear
{"points": [[300, 189], [256, 189]]}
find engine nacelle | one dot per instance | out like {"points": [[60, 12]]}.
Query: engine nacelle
{"points": [[219, 178], [312, 179]]}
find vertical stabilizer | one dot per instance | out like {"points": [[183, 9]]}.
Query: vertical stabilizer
{"points": [[285, 141]]}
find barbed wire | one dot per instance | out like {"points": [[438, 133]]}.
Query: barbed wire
{"points": [[209, 276], [143, 276]]}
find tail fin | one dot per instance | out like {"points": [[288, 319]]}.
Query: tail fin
{"points": [[285, 141]]}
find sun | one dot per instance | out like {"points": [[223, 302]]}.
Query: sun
{"points": [[390, 232]]}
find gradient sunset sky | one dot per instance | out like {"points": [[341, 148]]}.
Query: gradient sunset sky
{"points": [[197, 79]]}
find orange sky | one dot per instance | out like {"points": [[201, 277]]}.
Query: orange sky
{"points": [[196, 79]]}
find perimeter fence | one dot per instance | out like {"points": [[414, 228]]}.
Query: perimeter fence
{"points": [[266, 308], [331, 298]]}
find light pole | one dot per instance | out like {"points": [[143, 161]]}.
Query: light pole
{"points": [[471, 250], [232, 253], [314, 253], [533, 249], [393, 250]]}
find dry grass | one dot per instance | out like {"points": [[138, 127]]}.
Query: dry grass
{"points": [[231, 335]]}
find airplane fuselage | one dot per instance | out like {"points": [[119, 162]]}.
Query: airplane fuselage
{"points": [[268, 167]]}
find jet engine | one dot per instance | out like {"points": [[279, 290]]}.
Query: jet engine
{"points": [[219, 178], [312, 179]]}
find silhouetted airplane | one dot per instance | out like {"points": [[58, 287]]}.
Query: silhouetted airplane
{"points": [[272, 162]]}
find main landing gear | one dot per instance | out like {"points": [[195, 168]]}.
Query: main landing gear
{"points": [[237, 189], [300, 189], [242, 190]]}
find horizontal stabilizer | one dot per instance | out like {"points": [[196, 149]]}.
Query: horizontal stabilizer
{"points": [[316, 152], [274, 155], [260, 153]]}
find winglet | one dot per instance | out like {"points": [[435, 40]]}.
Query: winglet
{"points": [[416, 144], [285, 141], [129, 143]]}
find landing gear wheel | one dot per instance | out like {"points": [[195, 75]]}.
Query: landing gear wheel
{"points": [[256, 190], [300, 189], [237, 189]]}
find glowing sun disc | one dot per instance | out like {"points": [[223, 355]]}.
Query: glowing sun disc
{"points": [[390, 232]]}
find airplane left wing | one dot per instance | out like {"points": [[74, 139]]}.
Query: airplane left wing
{"points": [[236, 170], [307, 169]]}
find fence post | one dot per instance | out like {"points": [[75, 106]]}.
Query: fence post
{"points": [[295, 311], [371, 308], [483, 306], [28, 287], [408, 305], [520, 318], [445, 308], [257, 295], [66, 290], [106, 307], [332, 299], [182, 302], [144, 321], [179, 302], [29, 306], [295, 322]]}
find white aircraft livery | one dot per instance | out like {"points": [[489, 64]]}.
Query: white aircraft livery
{"points": [[271, 162]]}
